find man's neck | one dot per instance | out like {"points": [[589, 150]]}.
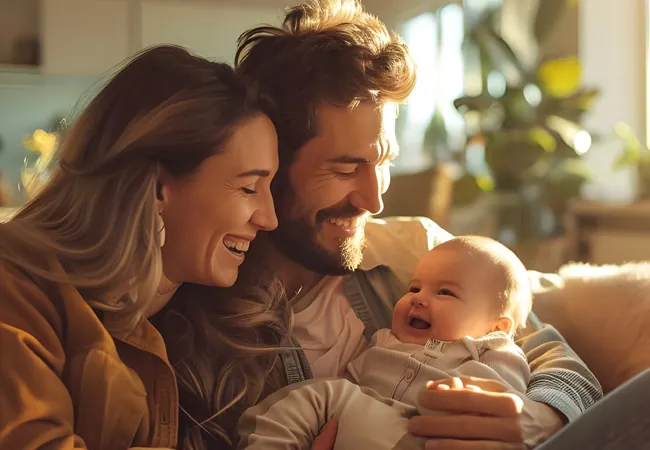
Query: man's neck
{"points": [[294, 277]]}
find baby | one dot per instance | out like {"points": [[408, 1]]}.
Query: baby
{"points": [[466, 299]]}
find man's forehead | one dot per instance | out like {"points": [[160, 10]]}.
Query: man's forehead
{"points": [[366, 128]]}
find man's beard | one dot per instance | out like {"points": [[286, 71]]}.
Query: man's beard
{"points": [[297, 238]]}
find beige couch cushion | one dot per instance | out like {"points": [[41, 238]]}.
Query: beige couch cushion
{"points": [[604, 314]]}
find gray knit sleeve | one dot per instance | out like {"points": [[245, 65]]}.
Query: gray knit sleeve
{"points": [[559, 378]]}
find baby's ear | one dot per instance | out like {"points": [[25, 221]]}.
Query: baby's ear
{"points": [[504, 324]]}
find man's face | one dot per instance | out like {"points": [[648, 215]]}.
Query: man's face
{"points": [[334, 183]]}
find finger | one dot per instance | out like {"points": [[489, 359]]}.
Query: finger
{"points": [[472, 402], [456, 383], [325, 440], [447, 383], [454, 444], [505, 429], [471, 387], [484, 384]]}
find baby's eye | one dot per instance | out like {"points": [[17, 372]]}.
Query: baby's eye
{"points": [[414, 290], [446, 292]]}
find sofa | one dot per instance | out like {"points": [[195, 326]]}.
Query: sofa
{"points": [[604, 314]]}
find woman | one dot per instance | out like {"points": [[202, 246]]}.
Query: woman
{"points": [[163, 179]]}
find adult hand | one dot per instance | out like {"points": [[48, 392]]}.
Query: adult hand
{"points": [[482, 414], [325, 440]]}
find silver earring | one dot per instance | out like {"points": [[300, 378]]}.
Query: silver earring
{"points": [[161, 229]]}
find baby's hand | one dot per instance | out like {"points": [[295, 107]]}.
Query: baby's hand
{"points": [[325, 440], [481, 414]]}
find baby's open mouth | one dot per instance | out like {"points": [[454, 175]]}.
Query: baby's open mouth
{"points": [[419, 324]]}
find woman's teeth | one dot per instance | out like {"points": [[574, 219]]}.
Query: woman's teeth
{"points": [[236, 246], [347, 222]]}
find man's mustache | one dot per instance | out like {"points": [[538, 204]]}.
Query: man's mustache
{"points": [[339, 212]]}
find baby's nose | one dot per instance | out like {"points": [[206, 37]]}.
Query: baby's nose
{"points": [[419, 302]]}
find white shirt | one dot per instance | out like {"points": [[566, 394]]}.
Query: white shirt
{"points": [[328, 329]]}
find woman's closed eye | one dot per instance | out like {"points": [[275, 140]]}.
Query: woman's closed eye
{"points": [[249, 190]]}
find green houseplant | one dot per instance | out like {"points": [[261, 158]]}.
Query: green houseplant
{"points": [[635, 155], [528, 134]]}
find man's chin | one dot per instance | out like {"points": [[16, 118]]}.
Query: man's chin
{"points": [[351, 252]]}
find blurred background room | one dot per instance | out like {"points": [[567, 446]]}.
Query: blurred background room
{"points": [[528, 122]]}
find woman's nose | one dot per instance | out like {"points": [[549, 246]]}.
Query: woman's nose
{"points": [[264, 217]]}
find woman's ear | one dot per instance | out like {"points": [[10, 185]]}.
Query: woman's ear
{"points": [[504, 324], [161, 197], [162, 190]]}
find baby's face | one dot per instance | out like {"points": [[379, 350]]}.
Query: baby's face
{"points": [[451, 295]]}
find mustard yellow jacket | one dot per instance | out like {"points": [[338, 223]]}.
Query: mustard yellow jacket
{"points": [[66, 383]]}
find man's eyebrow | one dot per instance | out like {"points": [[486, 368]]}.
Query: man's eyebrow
{"points": [[345, 159], [255, 173]]}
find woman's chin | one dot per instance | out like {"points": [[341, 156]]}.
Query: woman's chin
{"points": [[224, 276], [225, 268]]}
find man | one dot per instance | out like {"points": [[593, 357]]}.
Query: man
{"points": [[336, 76]]}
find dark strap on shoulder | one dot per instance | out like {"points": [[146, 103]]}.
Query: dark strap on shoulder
{"points": [[372, 295], [356, 287], [296, 365]]}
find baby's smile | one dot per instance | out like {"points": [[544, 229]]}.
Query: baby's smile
{"points": [[419, 324], [419, 319]]}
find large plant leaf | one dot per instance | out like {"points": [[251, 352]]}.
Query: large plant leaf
{"points": [[563, 183], [501, 55], [465, 190], [518, 112], [571, 108], [473, 103], [583, 100], [543, 138], [548, 13], [435, 135], [509, 154], [572, 133], [486, 37], [632, 150]]}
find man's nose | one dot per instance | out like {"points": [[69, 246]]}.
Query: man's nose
{"points": [[368, 193]]}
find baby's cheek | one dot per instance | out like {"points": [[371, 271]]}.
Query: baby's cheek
{"points": [[398, 333], [400, 316], [451, 319]]}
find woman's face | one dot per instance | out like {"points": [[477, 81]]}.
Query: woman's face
{"points": [[212, 216]]}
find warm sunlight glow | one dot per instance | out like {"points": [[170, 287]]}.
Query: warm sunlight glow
{"points": [[582, 142]]}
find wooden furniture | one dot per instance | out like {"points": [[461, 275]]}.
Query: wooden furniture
{"points": [[427, 193], [608, 234]]}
